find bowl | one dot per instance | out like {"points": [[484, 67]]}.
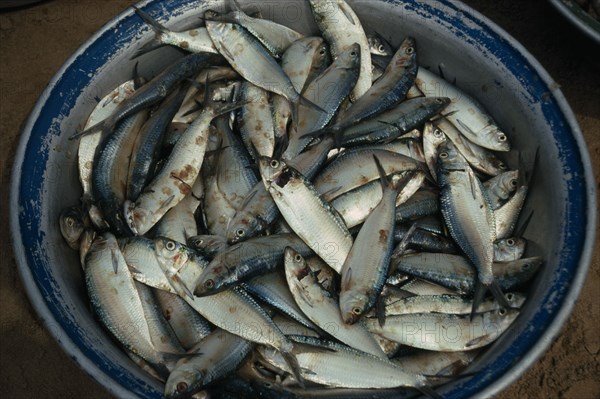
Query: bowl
{"points": [[487, 64]]}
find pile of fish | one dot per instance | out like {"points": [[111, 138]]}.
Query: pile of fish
{"points": [[281, 215]]}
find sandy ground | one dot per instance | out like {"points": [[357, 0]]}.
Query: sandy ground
{"points": [[34, 43]]}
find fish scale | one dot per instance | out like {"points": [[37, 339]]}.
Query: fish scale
{"points": [[303, 208]]}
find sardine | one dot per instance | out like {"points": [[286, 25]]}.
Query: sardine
{"points": [[445, 332], [214, 357], [465, 113], [322, 308], [366, 267], [177, 176], [303, 208], [341, 28]]}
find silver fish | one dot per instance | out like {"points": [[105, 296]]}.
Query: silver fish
{"points": [[445, 332], [303, 208], [341, 28], [322, 308]]}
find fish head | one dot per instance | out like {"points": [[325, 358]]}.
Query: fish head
{"points": [[270, 169], [242, 226], [509, 181], [295, 265], [497, 321], [515, 299], [349, 58], [136, 218], [214, 278], [511, 248], [183, 381], [449, 158], [497, 137], [171, 251], [353, 304], [321, 57], [406, 54], [72, 225]]}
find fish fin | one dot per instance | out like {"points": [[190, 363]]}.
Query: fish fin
{"points": [[154, 24], [158, 29], [344, 8], [477, 340], [167, 202], [401, 247], [248, 198], [138, 81], [308, 301], [327, 194], [292, 362], [380, 310], [221, 109], [315, 134], [102, 127], [521, 230], [472, 182], [227, 53], [115, 260], [346, 277], [441, 71], [383, 177], [465, 127], [478, 296], [98, 99], [161, 369], [307, 103], [499, 295]]}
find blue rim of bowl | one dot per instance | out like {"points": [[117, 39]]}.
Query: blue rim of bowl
{"points": [[27, 183]]}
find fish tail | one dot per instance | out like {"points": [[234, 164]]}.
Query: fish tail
{"points": [[480, 290], [158, 29], [499, 295], [307, 103], [292, 362], [386, 182], [138, 81], [104, 127]]}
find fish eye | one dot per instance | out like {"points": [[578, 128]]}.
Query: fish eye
{"points": [[357, 311], [513, 183], [198, 242], [353, 54], [298, 258], [439, 100], [501, 137], [274, 163], [501, 165], [443, 155], [437, 133], [170, 245], [502, 312], [322, 52], [70, 221], [510, 242], [381, 48], [527, 266], [240, 232], [182, 386], [410, 50], [268, 384], [509, 297], [209, 284]]}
